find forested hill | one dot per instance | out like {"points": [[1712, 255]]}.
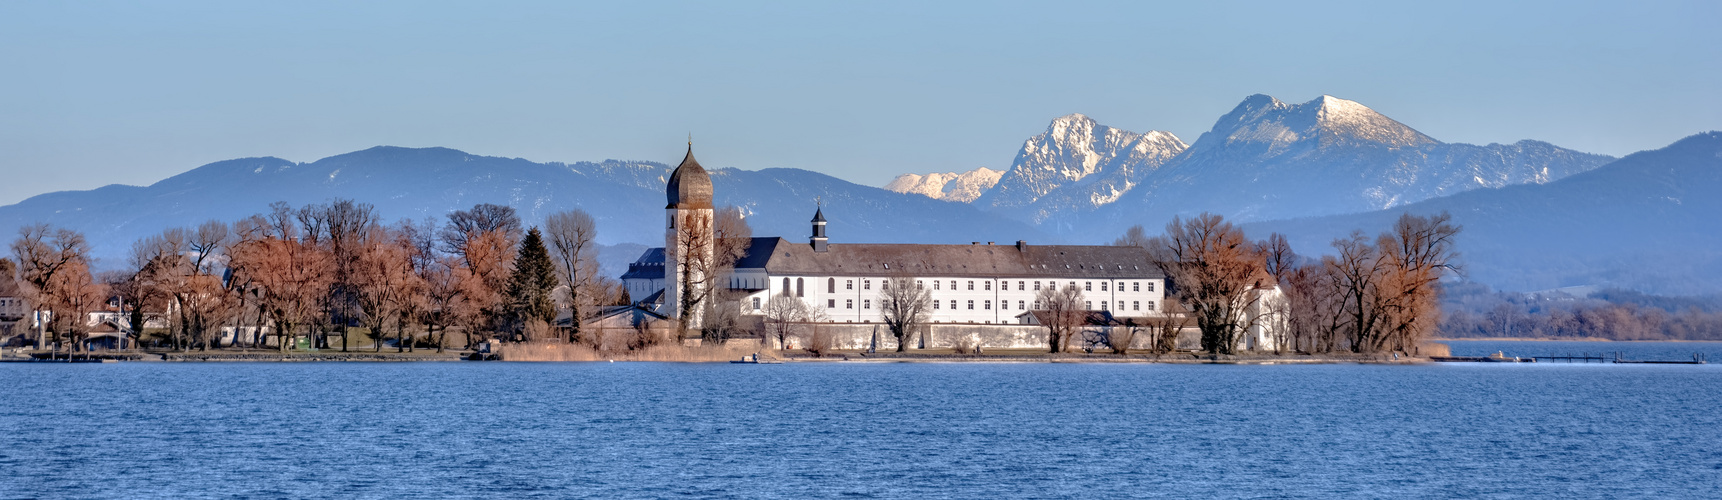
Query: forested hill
{"points": [[627, 198], [1651, 221]]}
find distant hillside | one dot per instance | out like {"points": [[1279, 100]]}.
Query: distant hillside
{"points": [[627, 198], [1651, 221]]}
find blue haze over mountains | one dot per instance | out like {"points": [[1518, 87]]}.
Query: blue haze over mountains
{"points": [[1332, 165]]}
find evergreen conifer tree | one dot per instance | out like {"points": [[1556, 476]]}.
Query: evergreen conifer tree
{"points": [[531, 285]]}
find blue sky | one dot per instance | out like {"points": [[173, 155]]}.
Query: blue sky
{"points": [[94, 93]]}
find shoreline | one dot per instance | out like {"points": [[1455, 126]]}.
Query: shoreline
{"points": [[1586, 339], [696, 356]]}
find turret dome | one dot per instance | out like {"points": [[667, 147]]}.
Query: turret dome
{"points": [[690, 186]]}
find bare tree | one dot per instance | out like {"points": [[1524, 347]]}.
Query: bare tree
{"points": [[1061, 311], [1166, 326], [1133, 237], [484, 218], [290, 275], [44, 254], [905, 305], [1213, 270], [702, 272], [572, 247], [382, 282], [782, 314], [1279, 261], [1417, 253]]}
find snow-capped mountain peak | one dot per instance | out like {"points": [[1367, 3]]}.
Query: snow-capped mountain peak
{"points": [[1325, 121], [949, 186], [1079, 164]]}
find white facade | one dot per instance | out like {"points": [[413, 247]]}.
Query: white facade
{"points": [[958, 299]]}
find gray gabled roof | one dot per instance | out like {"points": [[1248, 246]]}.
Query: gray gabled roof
{"points": [[1027, 261], [779, 256]]}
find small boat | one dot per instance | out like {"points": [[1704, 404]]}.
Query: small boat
{"points": [[754, 359]]}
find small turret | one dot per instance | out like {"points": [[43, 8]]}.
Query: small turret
{"points": [[818, 239]]}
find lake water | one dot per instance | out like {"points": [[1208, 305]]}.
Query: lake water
{"points": [[555, 430]]}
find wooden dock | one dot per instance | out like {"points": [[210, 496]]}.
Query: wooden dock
{"points": [[1619, 357]]}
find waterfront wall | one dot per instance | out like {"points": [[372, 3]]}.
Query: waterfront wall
{"points": [[946, 336]]}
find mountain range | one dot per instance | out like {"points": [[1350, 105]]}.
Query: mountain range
{"points": [[1314, 170], [1651, 221], [625, 197], [1265, 159], [948, 186]]}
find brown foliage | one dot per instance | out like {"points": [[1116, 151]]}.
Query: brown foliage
{"points": [[1214, 271]]}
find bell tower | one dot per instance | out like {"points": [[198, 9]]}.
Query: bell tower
{"points": [[818, 239], [688, 240]]}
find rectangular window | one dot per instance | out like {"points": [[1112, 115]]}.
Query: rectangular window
{"points": [[1150, 305], [971, 284], [971, 305], [830, 303], [935, 305], [953, 305], [866, 284], [935, 284], [848, 303], [1103, 305], [1021, 285], [1120, 286], [953, 284], [1120, 305], [1088, 286], [988, 305], [1019, 305], [919, 285], [1037, 304], [1135, 305], [866, 304], [1102, 286], [756, 303], [988, 285], [1037, 286], [1088, 304], [1150, 286], [848, 284], [1135, 286]]}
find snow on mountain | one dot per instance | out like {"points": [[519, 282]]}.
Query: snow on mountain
{"points": [[1076, 165], [949, 186], [1647, 222], [1267, 159]]}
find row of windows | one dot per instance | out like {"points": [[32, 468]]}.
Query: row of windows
{"points": [[986, 285], [1135, 305]]}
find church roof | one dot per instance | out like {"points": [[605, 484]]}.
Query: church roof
{"points": [[1027, 261], [779, 256], [650, 265], [819, 215], [690, 186]]}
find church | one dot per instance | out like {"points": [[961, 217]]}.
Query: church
{"points": [[976, 288]]}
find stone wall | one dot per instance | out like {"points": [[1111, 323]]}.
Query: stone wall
{"points": [[859, 336]]}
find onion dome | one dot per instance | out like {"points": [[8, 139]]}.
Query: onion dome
{"points": [[690, 186]]}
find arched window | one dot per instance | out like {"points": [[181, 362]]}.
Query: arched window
{"points": [[786, 286], [799, 290], [830, 285]]}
